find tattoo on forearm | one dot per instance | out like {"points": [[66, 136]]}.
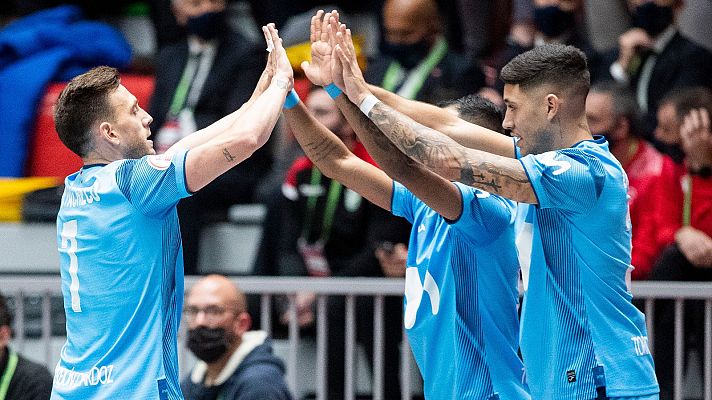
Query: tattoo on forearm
{"points": [[318, 151], [229, 157], [442, 154]]}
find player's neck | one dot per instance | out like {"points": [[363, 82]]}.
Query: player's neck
{"points": [[573, 131]]}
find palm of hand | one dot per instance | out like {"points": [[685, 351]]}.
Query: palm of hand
{"points": [[319, 70]]}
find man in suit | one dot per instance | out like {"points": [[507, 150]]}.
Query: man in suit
{"points": [[416, 61], [199, 80], [654, 58]]}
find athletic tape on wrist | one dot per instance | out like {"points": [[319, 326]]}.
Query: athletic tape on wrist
{"points": [[291, 100], [368, 103], [333, 90]]}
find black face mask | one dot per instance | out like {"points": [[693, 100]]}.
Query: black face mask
{"points": [[208, 344], [553, 21], [652, 18], [408, 55], [207, 26]]}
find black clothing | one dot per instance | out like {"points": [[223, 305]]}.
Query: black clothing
{"points": [[31, 381]]}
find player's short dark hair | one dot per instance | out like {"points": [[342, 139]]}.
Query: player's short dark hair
{"points": [[5, 316], [624, 103], [477, 110], [687, 99], [556, 65], [82, 103]]}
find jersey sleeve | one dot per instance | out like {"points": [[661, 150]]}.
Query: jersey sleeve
{"points": [[154, 184], [484, 216], [566, 179], [403, 202]]}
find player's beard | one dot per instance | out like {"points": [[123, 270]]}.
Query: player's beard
{"points": [[138, 149]]}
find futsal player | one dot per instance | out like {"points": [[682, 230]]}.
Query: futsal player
{"points": [[118, 236], [581, 336], [455, 260]]}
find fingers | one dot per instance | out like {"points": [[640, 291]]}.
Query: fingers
{"points": [[268, 39], [324, 27], [315, 29]]}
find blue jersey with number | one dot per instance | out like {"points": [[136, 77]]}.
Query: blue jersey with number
{"points": [[580, 330], [461, 297], [121, 265]]}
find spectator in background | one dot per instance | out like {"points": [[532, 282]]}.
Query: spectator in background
{"points": [[683, 220], [551, 21], [20, 378], [330, 230], [611, 111], [653, 58], [416, 60], [235, 362], [198, 81]]}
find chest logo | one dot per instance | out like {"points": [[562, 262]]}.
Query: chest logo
{"points": [[414, 290]]}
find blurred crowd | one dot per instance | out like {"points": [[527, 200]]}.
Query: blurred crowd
{"points": [[651, 69]]}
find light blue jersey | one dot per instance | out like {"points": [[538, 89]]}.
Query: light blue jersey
{"points": [[122, 279], [461, 297], [580, 331]]}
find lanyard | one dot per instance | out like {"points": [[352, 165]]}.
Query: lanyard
{"points": [[416, 79], [687, 202], [186, 80], [331, 201], [9, 372]]}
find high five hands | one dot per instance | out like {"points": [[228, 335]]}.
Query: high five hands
{"points": [[278, 69], [334, 57]]}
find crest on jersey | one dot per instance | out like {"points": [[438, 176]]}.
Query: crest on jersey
{"points": [[159, 161]]}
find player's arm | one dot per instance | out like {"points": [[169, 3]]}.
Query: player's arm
{"points": [[220, 126], [490, 172], [441, 120], [244, 135], [437, 192], [334, 160]]}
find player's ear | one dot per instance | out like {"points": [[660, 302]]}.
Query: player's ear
{"points": [[553, 106], [107, 132]]}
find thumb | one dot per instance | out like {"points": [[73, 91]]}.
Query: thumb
{"points": [[305, 65]]}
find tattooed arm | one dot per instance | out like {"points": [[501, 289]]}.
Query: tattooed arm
{"points": [[244, 136], [334, 160], [463, 132], [490, 172], [438, 193], [496, 174]]}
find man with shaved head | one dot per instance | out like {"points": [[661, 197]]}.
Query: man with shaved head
{"points": [[416, 61], [235, 363]]}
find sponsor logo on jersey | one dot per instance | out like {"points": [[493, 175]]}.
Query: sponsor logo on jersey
{"points": [[414, 290], [159, 161]]}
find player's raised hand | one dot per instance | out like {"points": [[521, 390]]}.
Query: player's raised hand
{"points": [[283, 75], [354, 84], [319, 70], [270, 68]]}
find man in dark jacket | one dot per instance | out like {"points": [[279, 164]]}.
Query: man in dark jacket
{"points": [[20, 378], [199, 80], [235, 363]]}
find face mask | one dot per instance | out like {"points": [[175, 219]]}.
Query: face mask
{"points": [[652, 18], [553, 21], [208, 344], [207, 26], [408, 55]]}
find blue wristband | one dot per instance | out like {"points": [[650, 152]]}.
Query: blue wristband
{"points": [[291, 100], [333, 90]]}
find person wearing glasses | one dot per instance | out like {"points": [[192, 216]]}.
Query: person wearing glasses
{"points": [[235, 362]]}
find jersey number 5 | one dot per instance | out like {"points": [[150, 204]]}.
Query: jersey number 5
{"points": [[69, 243]]}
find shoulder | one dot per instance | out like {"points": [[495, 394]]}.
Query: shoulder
{"points": [[682, 46], [34, 373]]}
